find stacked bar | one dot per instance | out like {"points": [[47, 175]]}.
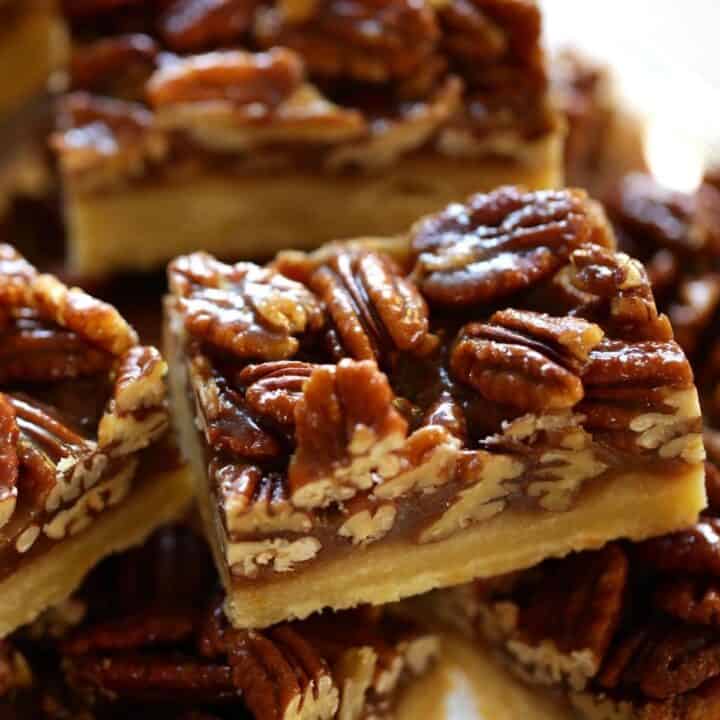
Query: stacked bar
{"points": [[229, 126], [365, 426], [85, 464]]}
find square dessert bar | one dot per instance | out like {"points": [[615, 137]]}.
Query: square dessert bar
{"points": [[85, 465], [166, 643], [630, 632], [229, 125], [380, 418]]}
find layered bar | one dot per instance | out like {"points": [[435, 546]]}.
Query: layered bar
{"points": [[32, 47], [231, 126], [630, 631], [163, 649], [86, 467], [380, 418]]}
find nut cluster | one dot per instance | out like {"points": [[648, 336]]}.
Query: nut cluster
{"points": [[331, 386], [638, 622], [168, 641], [80, 397]]}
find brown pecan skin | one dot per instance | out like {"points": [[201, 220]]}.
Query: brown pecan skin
{"points": [[502, 242], [368, 40], [664, 660], [696, 550], [96, 66], [375, 310], [236, 76], [196, 25], [505, 368], [274, 389], [693, 599], [579, 602]]}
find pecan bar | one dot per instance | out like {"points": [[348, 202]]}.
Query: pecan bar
{"points": [[163, 648], [630, 631], [85, 465], [228, 125], [380, 418]]}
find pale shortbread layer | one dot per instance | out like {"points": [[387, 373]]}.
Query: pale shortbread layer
{"points": [[29, 53], [52, 577], [143, 226], [629, 505]]}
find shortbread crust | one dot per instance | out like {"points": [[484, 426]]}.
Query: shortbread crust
{"points": [[51, 578]]}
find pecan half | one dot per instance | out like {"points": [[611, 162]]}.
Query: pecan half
{"points": [[693, 599], [250, 311], [274, 389], [368, 40], [577, 604], [236, 76], [696, 550], [525, 359], [469, 35], [502, 242], [94, 320], [115, 65], [375, 310], [36, 351], [614, 290], [346, 430], [705, 230], [195, 25], [663, 660]]}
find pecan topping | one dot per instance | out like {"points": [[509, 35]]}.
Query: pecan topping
{"points": [[695, 600], [14, 670], [696, 550], [274, 389], [225, 418], [374, 308], [96, 66], [346, 428], [194, 25], [502, 242], [236, 76], [37, 351], [469, 34], [252, 312], [614, 289], [92, 319], [578, 604], [645, 364], [664, 660], [525, 359], [363, 39]]}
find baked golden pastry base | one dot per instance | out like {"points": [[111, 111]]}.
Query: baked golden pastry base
{"points": [[142, 226], [631, 506], [33, 48], [52, 577]]}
